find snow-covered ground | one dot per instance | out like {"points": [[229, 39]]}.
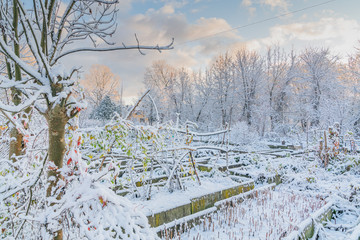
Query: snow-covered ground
{"points": [[346, 219], [305, 186], [162, 199], [270, 215]]}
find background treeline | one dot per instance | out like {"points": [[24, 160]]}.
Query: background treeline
{"points": [[277, 91]]}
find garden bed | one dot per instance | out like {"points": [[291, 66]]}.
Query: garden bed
{"points": [[165, 207], [270, 215], [344, 224]]}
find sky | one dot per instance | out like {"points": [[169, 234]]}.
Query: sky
{"points": [[194, 26]]}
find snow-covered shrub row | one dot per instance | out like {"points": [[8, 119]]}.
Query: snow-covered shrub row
{"points": [[136, 154], [118, 156], [241, 133], [306, 174], [87, 208]]}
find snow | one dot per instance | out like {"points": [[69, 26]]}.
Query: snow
{"points": [[240, 96], [356, 234], [185, 219], [303, 178], [270, 215], [344, 225], [162, 200]]}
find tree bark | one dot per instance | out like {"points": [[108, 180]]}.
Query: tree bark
{"points": [[16, 143], [57, 119]]}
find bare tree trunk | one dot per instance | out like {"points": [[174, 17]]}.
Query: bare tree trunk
{"points": [[57, 119], [316, 103], [16, 142], [223, 117]]}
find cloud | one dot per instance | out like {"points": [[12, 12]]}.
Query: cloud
{"points": [[339, 34], [176, 4], [209, 26], [167, 9], [252, 11], [249, 5], [246, 3], [124, 5], [283, 5], [195, 10], [324, 29], [158, 26]]}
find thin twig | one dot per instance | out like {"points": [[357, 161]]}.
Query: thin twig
{"points": [[138, 43]]}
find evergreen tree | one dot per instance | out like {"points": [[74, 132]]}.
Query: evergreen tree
{"points": [[105, 110]]}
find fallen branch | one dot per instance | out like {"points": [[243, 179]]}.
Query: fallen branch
{"points": [[137, 104]]}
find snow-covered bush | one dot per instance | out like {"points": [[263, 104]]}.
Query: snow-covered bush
{"points": [[241, 133], [87, 208], [131, 152], [333, 148]]}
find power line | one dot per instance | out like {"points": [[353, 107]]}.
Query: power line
{"points": [[254, 23]]}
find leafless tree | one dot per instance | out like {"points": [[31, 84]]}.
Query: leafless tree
{"points": [[318, 73], [171, 88], [223, 86], [281, 71], [249, 66], [100, 82]]}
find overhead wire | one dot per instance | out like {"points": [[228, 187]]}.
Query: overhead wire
{"points": [[257, 22]]}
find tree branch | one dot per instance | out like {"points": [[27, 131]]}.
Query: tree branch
{"points": [[137, 104], [137, 47]]}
